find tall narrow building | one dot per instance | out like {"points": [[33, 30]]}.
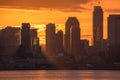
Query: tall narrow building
{"points": [[26, 37], [75, 39], [97, 26], [59, 42], [71, 22], [34, 36], [50, 39], [36, 48]]}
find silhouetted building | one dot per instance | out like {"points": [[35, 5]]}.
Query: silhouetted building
{"points": [[84, 47], [50, 39], [26, 37], [105, 49], [9, 42], [114, 29], [75, 38], [25, 50], [97, 26], [33, 36], [71, 22], [114, 37], [36, 48], [59, 42]]}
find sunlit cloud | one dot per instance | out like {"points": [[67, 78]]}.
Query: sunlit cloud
{"points": [[113, 10], [63, 5]]}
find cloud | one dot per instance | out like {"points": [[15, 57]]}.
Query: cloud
{"points": [[113, 10], [63, 5]]}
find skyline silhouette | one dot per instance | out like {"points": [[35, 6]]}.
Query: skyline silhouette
{"points": [[63, 51]]}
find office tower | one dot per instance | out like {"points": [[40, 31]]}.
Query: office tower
{"points": [[114, 30], [75, 38], [26, 37], [34, 37], [36, 48], [97, 26], [114, 37], [71, 22], [59, 42], [50, 39]]}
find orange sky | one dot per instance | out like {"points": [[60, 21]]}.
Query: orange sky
{"points": [[38, 12]]}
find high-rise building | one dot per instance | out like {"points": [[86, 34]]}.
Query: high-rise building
{"points": [[33, 36], [114, 37], [75, 38], [50, 39], [26, 37], [59, 42], [114, 30], [36, 48], [97, 26], [71, 22]]}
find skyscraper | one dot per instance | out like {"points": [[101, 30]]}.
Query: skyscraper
{"points": [[36, 48], [97, 26], [26, 37], [114, 30], [75, 38], [59, 41], [114, 37], [71, 22], [33, 36], [50, 39]]}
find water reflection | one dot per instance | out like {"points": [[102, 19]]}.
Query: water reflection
{"points": [[59, 75]]}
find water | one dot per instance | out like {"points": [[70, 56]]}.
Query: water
{"points": [[60, 75]]}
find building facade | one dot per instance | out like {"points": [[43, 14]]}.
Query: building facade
{"points": [[50, 39], [97, 26], [26, 37], [114, 29], [71, 22]]}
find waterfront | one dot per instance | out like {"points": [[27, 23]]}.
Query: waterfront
{"points": [[60, 75]]}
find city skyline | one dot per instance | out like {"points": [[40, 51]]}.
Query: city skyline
{"points": [[39, 17], [20, 47]]}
